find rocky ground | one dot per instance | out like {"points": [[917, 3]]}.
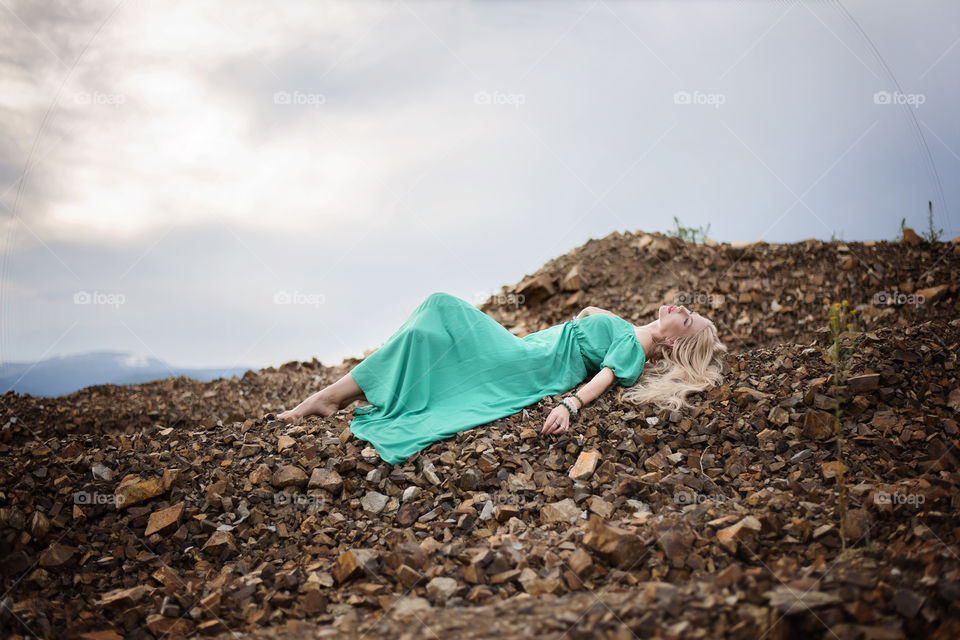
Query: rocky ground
{"points": [[179, 508]]}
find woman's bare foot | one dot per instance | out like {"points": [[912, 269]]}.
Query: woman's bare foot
{"points": [[317, 404]]}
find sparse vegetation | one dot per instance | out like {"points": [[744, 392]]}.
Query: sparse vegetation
{"points": [[899, 236], [840, 354], [931, 234], [689, 234]]}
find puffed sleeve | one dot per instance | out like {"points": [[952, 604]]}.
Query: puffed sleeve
{"points": [[626, 358]]}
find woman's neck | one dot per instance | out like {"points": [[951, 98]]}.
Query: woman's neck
{"points": [[648, 335]]}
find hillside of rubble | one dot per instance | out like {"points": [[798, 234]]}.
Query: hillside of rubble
{"points": [[784, 506]]}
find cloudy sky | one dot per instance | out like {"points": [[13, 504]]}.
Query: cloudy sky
{"points": [[236, 183]]}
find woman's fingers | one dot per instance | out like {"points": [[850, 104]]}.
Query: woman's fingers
{"points": [[556, 422]]}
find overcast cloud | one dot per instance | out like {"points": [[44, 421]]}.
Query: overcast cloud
{"points": [[247, 183]]}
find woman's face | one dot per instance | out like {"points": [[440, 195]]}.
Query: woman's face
{"points": [[677, 320]]}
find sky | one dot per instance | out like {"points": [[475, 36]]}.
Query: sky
{"points": [[234, 183]]}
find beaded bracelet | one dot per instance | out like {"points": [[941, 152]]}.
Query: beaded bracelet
{"points": [[579, 399], [564, 403]]}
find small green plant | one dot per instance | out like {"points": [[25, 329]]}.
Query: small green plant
{"points": [[843, 327], [903, 223], [931, 234], [689, 234], [833, 236]]}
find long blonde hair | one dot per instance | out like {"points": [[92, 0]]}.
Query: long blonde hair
{"points": [[693, 364]]}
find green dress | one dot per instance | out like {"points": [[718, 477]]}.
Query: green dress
{"points": [[451, 367]]}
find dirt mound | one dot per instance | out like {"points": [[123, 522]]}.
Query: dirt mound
{"points": [[177, 508]]}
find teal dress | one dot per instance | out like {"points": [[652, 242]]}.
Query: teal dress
{"points": [[451, 367]]}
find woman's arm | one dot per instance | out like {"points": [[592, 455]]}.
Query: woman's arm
{"points": [[559, 419], [595, 388], [592, 311]]}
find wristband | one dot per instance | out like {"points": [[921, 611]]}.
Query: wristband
{"points": [[564, 403], [579, 399]]}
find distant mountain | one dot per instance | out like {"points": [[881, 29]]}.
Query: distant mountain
{"points": [[66, 374]]}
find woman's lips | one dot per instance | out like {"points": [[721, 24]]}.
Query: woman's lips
{"points": [[670, 308]]}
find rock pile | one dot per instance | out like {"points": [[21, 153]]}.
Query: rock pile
{"points": [[177, 508]]}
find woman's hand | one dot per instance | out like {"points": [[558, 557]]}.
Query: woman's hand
{"points": [[557, 422]]}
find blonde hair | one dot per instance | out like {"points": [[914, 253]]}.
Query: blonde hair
{"points": [[693, 364]]}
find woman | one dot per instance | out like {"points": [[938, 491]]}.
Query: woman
{"points": [[451, 367]]}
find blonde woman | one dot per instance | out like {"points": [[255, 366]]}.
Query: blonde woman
{"points": [[451, 367]]}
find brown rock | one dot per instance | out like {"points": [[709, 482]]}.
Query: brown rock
{"points": [[910, 237], [441, 589], [164, 520], [535, 289], [125, 597], [217, 542], [162, 626], [410, 577], [790, 600], [581, 564], [617, 546], [856, 523], [326, 479], [352, 563], [818, 425], [866, 382], [284, 442], [832, 469], [572, 281], [907, 602], [260, 475], [134, 490], [563, 511], [729, 576], [289, 476], [56, 555], [953, 401], [585, 465], [744, 528]]}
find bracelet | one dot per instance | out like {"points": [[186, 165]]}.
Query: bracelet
{"points": [[564, 403], [579, 399]]}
